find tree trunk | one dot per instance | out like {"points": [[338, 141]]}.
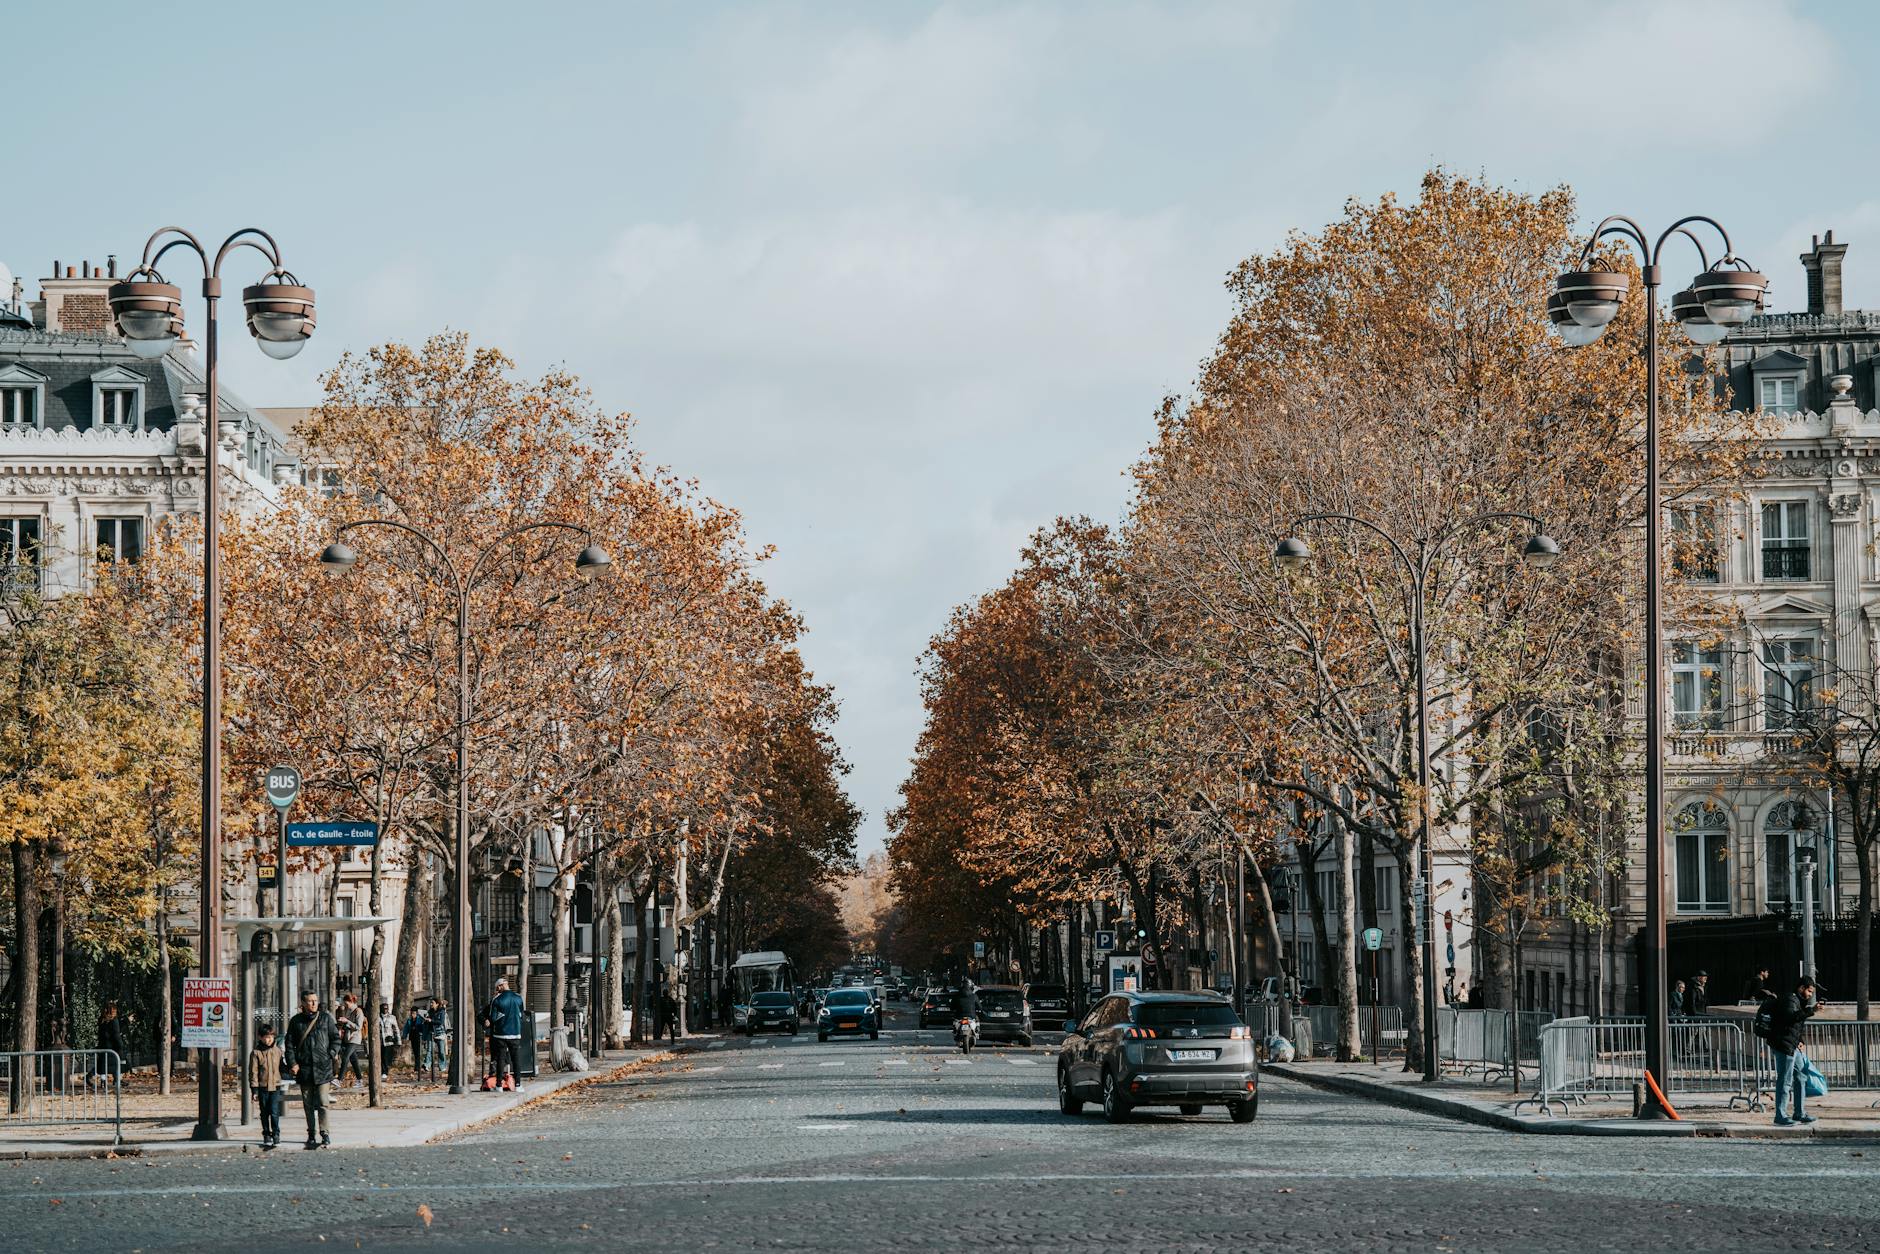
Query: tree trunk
{"points": [[1315, 906], [1413, 968], [26, 985], [61, 992], [616, 956], [330, 997], [410, 927], [1278, 959], [1348, 1040], [681, 931], [559, 902]]}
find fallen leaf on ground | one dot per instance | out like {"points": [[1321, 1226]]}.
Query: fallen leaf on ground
{"points": [[424, 1213]]}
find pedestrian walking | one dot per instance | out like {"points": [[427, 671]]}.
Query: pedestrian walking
{"points": [[352, 1035], [264, 1081], [313, 1059], [1676, 1001], [504, 1019], [111, 1037], [1756, 987], [1786, 1018], [669, 1016], [437, 1042], [388, 1039], [1697, 994]]}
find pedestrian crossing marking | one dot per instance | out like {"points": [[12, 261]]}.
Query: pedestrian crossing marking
{"points": [[770, 1066], [1023, 1062], [705, 1070], [894, 1062], [959, 1062], [717, 1044], [835, 1062]]}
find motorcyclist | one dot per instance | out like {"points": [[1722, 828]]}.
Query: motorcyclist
{"points": [[966, 1009]]}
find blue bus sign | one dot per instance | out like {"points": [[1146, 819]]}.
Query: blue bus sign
{"points": [[337, 832]]}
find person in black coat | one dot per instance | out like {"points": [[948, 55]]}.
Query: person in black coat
{"points": [[1697, 994], [1786, 1018], [313, 1059], [1756, 988]]}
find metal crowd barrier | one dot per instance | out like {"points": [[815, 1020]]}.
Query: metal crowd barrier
{"points": [[1581, 1058], [1388, 1037], [57, 1087], [1496, 1043]]}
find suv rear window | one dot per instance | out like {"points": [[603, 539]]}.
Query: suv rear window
{"points": [[1000, 1001], [1186, 1014]]}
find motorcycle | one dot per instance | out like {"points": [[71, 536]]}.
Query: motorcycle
{"points": [[966, 1034]]}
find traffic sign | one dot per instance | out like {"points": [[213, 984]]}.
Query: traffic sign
{"points": [[1148, 954], [1106, 941], [340, 832], [265, 876], [1373, 938], [979, 949], [283, 786]]}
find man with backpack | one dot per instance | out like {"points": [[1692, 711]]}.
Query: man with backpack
{"points": [[504, 1019], [1779, 1022]]}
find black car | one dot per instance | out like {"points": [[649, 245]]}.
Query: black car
{"points": [[1050, 1005], [937, 1008], [1187, 1050], [849, 1012], [1003, 1014], [771, 1012]]}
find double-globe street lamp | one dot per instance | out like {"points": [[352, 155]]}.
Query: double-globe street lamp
{"points": [[337, 559], [1721, 298], [148, 312], [1417, 563]]}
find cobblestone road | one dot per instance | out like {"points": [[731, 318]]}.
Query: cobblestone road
{"points": [[899, 1142]]}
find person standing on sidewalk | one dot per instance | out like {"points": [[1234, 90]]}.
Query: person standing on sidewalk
{"points": [[1697, 996], [312, 1058], [1756, 988], [111, 1037], [388, 1039], [1676, 1004], [1786, 1018], [264, 1080], [417, 1028], [437, 1040], [504, 1017]]}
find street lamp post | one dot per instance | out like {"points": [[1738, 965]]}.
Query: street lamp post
{"points": [[1585, 301], [336, 559], [148, 312], [1540, 551]]}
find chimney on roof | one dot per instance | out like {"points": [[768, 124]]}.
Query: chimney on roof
{"points": [[76, 303], [1823, 263]]}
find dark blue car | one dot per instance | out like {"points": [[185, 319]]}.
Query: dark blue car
{"points": [[848, 1012]]}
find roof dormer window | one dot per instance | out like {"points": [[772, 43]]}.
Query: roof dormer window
{"points": [[22, 397], [1776, 395], [117, 400]]}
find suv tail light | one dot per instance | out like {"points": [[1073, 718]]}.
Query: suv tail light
{"points": [[1139, 1034], [1241, 1033]]}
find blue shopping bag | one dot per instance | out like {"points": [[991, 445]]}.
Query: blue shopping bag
{"points": [[1813, 1082]]}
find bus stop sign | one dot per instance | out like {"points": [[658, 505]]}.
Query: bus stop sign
{"points": [[283, 786]]}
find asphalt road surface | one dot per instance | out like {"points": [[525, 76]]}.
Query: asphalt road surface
{"points": [[901, 1143]]}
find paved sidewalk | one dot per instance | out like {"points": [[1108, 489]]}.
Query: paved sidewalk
{"points": [[1849, 1114], [416, 1119]]}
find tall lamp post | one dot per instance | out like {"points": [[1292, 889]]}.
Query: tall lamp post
{"points": [[148, 312], [1541, 551], [337, 559], [1721, 298]]}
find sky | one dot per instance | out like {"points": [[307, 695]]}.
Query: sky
{"points": [[900, 282]]}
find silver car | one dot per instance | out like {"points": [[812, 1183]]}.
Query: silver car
{"points": [[1187, 1050]]}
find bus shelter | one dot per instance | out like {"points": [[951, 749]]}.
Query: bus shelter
{"points": [[269, 976]]}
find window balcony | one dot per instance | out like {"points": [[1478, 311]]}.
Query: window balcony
{"points": [[1785, 561]]}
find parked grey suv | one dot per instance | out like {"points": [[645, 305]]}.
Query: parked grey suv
{"points": [[1187, 1050]]}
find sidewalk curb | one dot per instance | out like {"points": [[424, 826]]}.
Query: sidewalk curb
{"points": [[1469, 1112], [427, 1133]]}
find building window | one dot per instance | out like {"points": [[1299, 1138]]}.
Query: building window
{"points": [[1703, 859], [1695, 554], [19, 407], [117, 407], [321, 479], [1386, 888], [1791, 826], [1785, 540], [1697, 685], [19, 554], [1788, 683], [120, 540], [1776, 394]]}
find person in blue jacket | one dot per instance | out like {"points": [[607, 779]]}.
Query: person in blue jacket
{"points": [[503, 1017]]}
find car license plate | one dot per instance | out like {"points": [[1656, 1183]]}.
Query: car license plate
{"points": [[999, 1014], [1191, 1055], [848, 1023]]}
